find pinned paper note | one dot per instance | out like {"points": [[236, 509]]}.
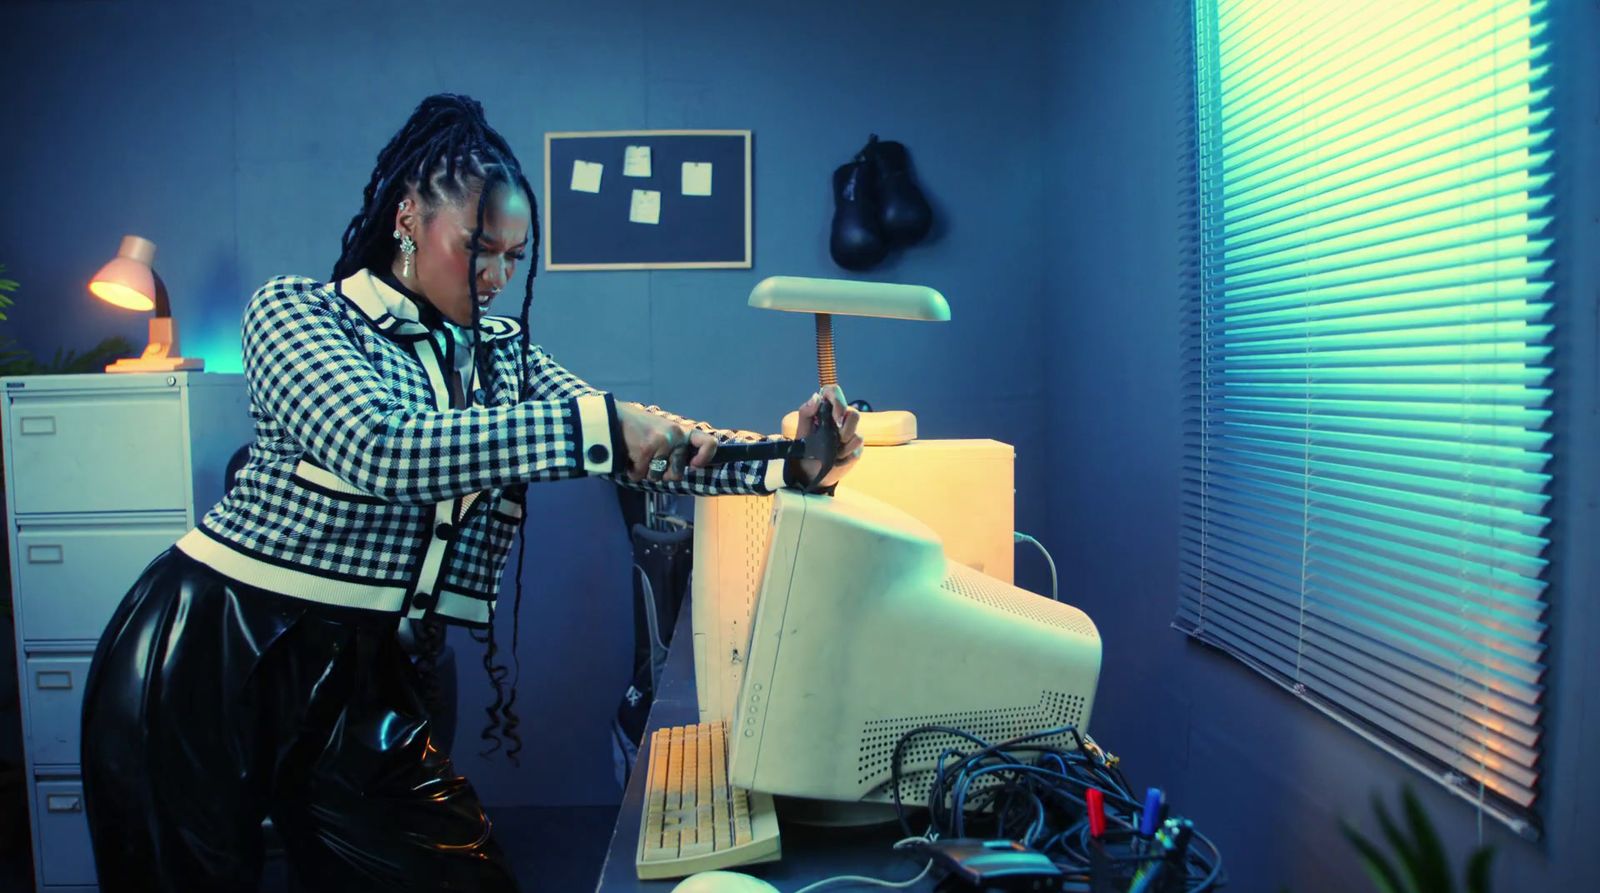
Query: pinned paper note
{"points": [[586, 176], [646, 206], [697, 178], [636, 161]]}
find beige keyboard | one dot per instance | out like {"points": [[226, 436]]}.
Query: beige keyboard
{"points": [[693, 819]]}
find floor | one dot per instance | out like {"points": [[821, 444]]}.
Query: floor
{"points": [[551, 848]]}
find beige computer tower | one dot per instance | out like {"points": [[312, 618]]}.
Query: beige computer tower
{"points": [[963, 489]]}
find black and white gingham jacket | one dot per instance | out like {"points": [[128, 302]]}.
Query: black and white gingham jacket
{"points": [[365, 489]]}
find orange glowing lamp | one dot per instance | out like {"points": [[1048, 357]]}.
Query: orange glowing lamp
{"points": [[129, 281]]}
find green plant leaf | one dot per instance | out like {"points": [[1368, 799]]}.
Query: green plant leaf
{"points": [[95, 359], [1429, 867], [1398, 842], [1383, 875], [6, 285], [1478, 870]]}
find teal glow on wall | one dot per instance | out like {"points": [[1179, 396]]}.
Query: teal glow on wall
{"points": [[217, 345]]}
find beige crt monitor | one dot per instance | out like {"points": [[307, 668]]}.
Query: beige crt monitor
{"points": [[863, 631], [963, 490]]}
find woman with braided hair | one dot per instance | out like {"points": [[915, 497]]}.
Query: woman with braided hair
{"points": [[256, 668]]}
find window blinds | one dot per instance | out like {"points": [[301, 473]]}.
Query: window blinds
{"points": [[1365, 450]]}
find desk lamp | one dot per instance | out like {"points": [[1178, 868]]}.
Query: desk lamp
{"points": [[848, 297], [129, 281]]}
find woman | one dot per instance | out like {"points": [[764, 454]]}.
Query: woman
{"points": [[254, 669]]}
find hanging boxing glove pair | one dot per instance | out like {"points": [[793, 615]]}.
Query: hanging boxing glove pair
{"points": [[877, 206]]}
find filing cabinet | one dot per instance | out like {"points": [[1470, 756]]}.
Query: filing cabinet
{"points": [[102, 473]]}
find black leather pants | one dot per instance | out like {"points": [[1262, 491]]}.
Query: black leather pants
{"points": [[210, 706]]}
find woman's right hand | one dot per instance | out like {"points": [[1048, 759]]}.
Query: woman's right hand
{"points": [[649, 436]]}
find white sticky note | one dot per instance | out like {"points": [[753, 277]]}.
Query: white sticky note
{"points": [[586, 176], [646, 206], [636, 161], [697, 178]]}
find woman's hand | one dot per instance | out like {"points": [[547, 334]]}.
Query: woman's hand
{"points": [[651, 438], [850, 445]]}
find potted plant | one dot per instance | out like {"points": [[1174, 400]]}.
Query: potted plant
{"points": [[1419, 864]]}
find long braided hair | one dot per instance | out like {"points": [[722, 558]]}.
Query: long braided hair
{"points": [[445, 150]]}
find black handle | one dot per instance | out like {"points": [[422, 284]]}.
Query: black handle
{"points": [[821, 444], [737, 451]]}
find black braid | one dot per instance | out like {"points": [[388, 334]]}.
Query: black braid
{"points": [[507, 718], [522, 528], [502, 712], [502, 718], [445, 147]]}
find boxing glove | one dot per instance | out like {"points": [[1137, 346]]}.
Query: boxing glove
{"points": [[903, 212], [857, 242]]}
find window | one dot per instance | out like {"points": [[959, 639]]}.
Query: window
{"points": [[1366, 414]]}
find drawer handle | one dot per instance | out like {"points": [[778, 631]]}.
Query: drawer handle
{"points": [[63, 803], [52, 679], [37, 424], [46, 554]]}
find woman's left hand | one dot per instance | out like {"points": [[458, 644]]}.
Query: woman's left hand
{"points": [[850, 444]]}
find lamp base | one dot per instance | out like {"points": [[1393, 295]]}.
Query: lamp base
{"points": [[888, 428], [161, 354], [158, 364]]}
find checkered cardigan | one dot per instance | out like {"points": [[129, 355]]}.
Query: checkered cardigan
{"points": [[366, 489]]}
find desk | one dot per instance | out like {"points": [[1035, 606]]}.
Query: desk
{"points": [[809, 854]]}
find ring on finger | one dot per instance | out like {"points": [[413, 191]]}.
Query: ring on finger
{"points": [[658, 466]]}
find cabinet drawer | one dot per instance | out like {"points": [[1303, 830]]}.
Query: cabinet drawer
{"points": [[54, 689], [70, 578], [94, 454], [65, 856]]}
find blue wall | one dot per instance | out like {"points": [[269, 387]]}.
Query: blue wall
{"points": [[238, 136], [1262, 774]]}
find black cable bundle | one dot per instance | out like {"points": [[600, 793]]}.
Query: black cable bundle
{"points": [[1034, 792]]}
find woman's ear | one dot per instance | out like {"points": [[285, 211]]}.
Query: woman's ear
{"points": [[408, 217]]}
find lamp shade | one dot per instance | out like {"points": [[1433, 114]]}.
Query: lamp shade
{"points": [[850, 297], [128, 280]]}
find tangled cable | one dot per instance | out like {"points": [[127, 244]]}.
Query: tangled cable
{"points": [[1034, 790]]}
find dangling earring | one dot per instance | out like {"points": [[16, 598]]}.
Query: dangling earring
{"points": [[407, 248]]}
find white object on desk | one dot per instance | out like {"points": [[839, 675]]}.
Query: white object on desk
{"points": [[824, 298], [963, 489], [723, 882], [692, 819], [103, 472], [863, 632]]}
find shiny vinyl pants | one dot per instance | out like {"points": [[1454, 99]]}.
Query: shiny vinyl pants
{"points": [[210, 705]]}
